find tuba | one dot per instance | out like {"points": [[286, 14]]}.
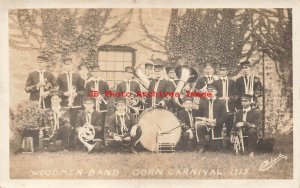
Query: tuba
{"points": [[186, 75], [141, 77], [86, 135]]}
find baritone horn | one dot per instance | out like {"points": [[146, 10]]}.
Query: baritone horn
{"points": [[86, 135], [186, 74]]}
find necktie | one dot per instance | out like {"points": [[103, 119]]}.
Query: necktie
{"points": [[122, 120], [88, 118], [127, 86], [56, 121], [210, 109]]}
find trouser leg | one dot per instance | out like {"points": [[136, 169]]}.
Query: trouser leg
{"points": [[252, 139], [137, 137]]}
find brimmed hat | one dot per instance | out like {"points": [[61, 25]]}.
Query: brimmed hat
{"points": [[168, 69], [129, 69], [245, 64], [148, 66], [246, 97], [158, 67], [41, 59]]}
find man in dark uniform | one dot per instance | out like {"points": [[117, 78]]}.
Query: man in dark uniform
{"points": [[92, 117], [249, 120], [69, 83], [149, 71], [208, 78], [161, 88], [213, 110], [129, 86], [122, 126], [56, 122], [39, 83], [227, 93], [173, 81], [187, 120], [98, 84], [249, 84]]}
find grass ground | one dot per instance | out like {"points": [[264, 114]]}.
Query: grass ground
{"points": [[146, 165]]}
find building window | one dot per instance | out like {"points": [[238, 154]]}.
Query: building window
{"points": [[112, 61]]}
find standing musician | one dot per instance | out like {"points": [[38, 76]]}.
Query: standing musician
{"points": [[130, 85], [122, 126], [92, 117], [96, 83], [56, 121], [228, 94], [39, 83], [208, 78], [84, 77], [249, 120], [213, 110], [174, 81], [69, 83], [159, 86], [249, 84], [187, 120], [149, 71]]}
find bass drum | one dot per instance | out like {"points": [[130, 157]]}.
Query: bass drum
{"points": [[153, 121]]}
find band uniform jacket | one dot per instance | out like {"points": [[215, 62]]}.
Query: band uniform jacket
{"points": [[201, 82], [113, 124], [232, 92], [102, 88], [33, 79], [184, 119], [253, 117], [257, 87], [219, 111], [48, 120], [97, 120], [165, 87], [134, 86], [63, 86]]}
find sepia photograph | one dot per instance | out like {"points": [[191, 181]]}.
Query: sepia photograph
{"points": [[150, 93]]}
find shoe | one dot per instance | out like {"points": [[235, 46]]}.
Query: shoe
{"points": [[132, 149], [65, 150], [251, 154]]}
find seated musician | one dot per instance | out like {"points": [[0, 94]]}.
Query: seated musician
{"points": [[213, 110], [249, 120], [122, 127], [186, 119], [92, 117], [56, 121]]}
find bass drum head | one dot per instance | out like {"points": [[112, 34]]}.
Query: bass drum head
{"points": [[157, 120]]}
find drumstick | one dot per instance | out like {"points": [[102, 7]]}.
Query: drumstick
{"points": [[172, 129]]}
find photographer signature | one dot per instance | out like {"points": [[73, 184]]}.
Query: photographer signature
{"points": [[268, 164]]}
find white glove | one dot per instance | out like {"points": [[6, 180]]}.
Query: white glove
{"points": [[117, 138], [133, 131], [239, 124], [191, 135]]}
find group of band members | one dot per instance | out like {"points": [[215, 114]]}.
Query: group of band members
{"points": [[68, 107]]}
